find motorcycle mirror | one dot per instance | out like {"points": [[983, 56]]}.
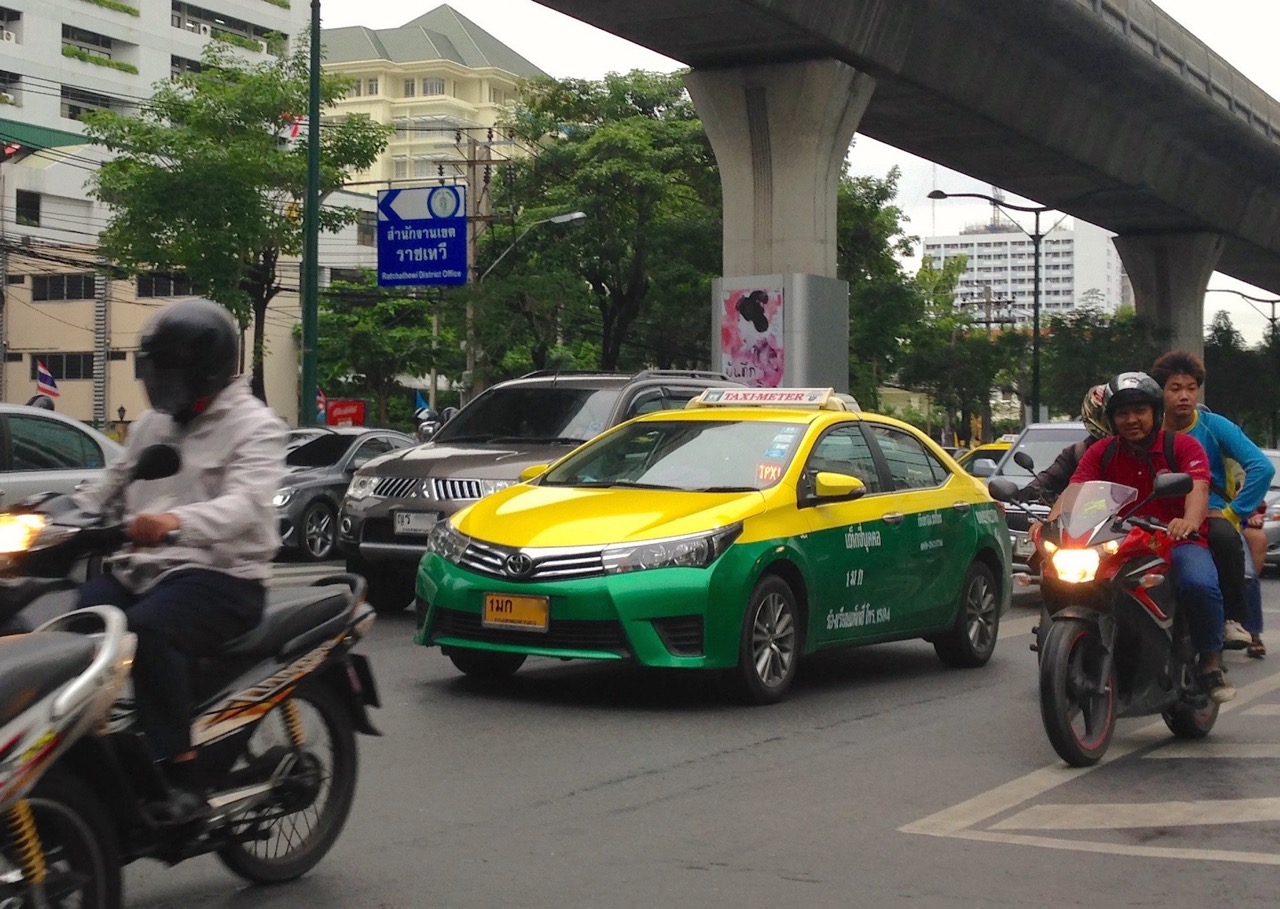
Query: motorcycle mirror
{"points": [[1002, 490], [1024, 460], [156, 462], [427, 430], [1168, 485]]}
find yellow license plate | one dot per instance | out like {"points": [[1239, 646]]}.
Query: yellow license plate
{"points": [[503, 610]]}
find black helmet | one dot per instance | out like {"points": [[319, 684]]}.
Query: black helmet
{"points": [[187, 354], [1130, 388]]}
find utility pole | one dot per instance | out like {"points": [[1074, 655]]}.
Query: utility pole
{"points": [[479, 165]]}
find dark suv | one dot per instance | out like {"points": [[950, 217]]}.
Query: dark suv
{"points": [[392, 503]]}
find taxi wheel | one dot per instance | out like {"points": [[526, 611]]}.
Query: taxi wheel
{"points": [[972, 639], [485, 664], [769, 653]]}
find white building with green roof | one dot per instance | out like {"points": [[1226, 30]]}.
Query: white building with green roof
{"points": [[440, 79]]}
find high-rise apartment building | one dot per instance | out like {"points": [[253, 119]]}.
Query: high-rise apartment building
{"points": [[1079, 266]]}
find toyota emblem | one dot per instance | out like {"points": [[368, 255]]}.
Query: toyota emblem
{"points": [[519, 565]]}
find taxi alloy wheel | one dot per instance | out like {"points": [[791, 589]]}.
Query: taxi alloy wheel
{"points": [[770, 650], [972, 638]]}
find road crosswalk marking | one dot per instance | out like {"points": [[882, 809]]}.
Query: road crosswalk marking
{"points": [[1129, 815]]}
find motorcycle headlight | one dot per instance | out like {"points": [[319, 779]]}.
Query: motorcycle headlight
{"points": [[361, 487], [1076, 566], [18, 531], [282, 496], [694, 551], [446, 541]]}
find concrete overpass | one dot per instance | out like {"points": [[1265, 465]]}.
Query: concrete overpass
{"points": [[1106, 109]]}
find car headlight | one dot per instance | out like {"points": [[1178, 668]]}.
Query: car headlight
{"points": [[1076, 566], [694, 551], [18, 531], [487, 487], [361, 487], [282, 496], [447, 541]]}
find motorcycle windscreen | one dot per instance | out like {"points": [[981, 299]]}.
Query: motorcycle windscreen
{"points": [[1087, 506]]}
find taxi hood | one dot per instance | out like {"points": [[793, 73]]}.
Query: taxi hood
{"points": [[540, 516]]}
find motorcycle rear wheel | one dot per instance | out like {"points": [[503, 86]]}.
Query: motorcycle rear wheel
{"points": [[1187, 721], [79, 844], [296, 830], [1078, 718]]}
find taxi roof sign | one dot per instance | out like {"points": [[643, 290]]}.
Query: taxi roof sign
{"points": [[807, 398]]}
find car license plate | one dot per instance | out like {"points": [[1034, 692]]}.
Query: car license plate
{"points": [[415, 521], [502, 610]]}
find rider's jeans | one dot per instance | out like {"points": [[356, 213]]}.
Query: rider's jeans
{"points": [[1196, 579]]}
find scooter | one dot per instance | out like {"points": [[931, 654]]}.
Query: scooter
{"points": [[1119, 645], [274, 731]]}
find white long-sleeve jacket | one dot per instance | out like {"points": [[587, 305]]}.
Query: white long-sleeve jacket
{"points": [[232, 464]]}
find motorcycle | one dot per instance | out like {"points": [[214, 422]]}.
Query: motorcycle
{"points": [[1120, 644], [57, 846], [274, 730]]}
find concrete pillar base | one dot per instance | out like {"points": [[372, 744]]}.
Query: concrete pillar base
{"points": [[780, 133], [1170, 273]]}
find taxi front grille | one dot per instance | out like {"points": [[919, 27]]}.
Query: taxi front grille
{"points": [[561, 634], [681, 635], [398, 487], [532, 564]]}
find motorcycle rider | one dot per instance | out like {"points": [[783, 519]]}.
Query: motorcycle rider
{"points": [[203, 538], [1048, 484], [1134, 456], [1181, 374]]}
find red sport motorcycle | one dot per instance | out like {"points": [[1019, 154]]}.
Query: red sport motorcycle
{"points": [[1120, 643]]}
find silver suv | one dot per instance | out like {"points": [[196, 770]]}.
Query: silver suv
{"points": [[393, 501]]}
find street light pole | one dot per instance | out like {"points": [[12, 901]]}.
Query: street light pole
{"points": [[1036, 238], [554, 219]]}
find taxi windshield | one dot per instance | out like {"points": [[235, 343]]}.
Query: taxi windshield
{"points": [[688, 455]]}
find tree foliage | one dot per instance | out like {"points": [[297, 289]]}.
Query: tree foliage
{"points": [[203, 181], [1242, 383], [1084, 348]]}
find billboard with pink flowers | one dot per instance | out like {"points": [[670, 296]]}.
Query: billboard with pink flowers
{"points": [[751, 349]]}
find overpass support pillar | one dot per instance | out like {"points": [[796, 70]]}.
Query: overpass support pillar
{"points": [[1170, 273], [780, 133]]}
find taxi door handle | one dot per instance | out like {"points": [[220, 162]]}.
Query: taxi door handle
{"points": [[961, 507], [894, 517]]}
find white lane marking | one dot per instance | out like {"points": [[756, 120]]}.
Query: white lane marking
{"points": [[959, 820], [1208, 750], [1127, 815], [1264, 710]]}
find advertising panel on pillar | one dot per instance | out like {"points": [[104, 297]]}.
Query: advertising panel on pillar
{"points": [[751, 339]]}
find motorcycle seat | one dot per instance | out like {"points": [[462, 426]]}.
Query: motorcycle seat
{"points": [[294, 616], [33, 665]]}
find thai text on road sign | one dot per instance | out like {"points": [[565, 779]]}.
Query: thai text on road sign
{"points": [[422, 236]]}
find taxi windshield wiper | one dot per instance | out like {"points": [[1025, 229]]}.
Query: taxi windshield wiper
{"points": [[726, 489], [620, 484]]}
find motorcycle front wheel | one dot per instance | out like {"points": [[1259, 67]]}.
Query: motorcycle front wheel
{"points": [[1077, 705], [287, 836], [82, 865]]}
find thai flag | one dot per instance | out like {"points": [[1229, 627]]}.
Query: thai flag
{"points": [[45, 383]]}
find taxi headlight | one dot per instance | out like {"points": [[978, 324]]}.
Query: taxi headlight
{"points": [[694, 551], [361, 487], [447, 541], [1076, 566], [18, 531], [282, 496]]}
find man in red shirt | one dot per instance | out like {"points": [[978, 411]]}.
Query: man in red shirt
{"points": [[1134, 457]]}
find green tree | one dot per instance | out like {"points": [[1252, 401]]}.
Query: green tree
{"points": [[629, 151], [1086, 347], [1240, 382], [370, 337], [203, 182]]}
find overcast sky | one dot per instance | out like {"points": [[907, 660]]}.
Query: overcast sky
{"points": [[1242, 31]]}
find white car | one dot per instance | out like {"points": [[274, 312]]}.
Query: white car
{"points": [[45, 451]]}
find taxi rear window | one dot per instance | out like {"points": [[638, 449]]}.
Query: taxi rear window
{"points": [[688, 455]]}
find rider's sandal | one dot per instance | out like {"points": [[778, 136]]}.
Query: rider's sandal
{"points": [[1256, 649]]}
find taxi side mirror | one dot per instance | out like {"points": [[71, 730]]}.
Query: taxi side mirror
{"points": [[835, 487], [532, 471]]}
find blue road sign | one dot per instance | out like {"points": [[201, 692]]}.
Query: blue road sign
{"points": [[422, 236]]}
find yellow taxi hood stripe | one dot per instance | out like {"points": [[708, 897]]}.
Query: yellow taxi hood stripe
{"points": [[544, 516]]}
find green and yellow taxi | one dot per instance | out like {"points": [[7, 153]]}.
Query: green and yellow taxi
{"points": [[744, 532], [992, 451]]}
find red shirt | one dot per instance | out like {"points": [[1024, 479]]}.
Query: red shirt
{"points": [[1140, 471]]}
